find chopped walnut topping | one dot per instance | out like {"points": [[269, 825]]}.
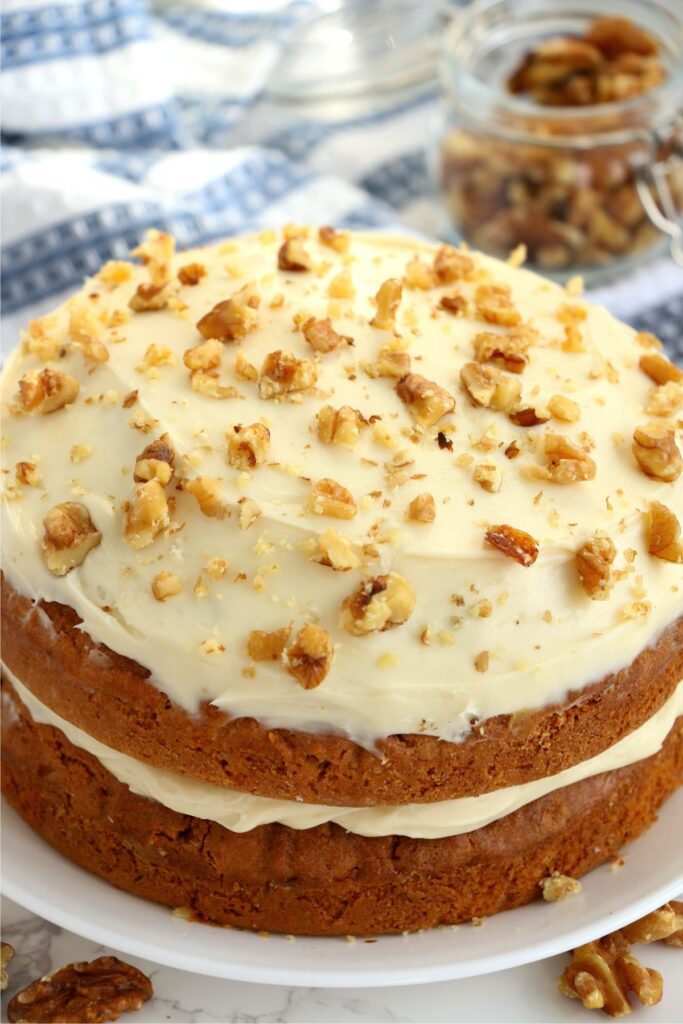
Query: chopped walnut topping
{"points": [[664, 533], [339, 426], [322, 337], [166, 584], [593, 565], [488, 476], [391, 362], [97, 991], [336, 551], [388, 298], [509, 351], [44, 391], [328, 498], [156, 253], [262, 646], [43, 338], [494, 305], [341, 286], [115, 272], [603, 972], [27, 473], [419, 274], [665, 924], [205, 489], [155, 462], [249, 512], [451, 265], [333, 239], [206, 356], [191, 273], [528, 417], [282, 373], [292, 255], [156, 355], [378, 604], [656, 452], [659, 369], [563, 408], [490, 387], [481, 661], [648, 340], [248, 446], [558, 887], [422, 509], [513, 543], [244, 370], [566, 462], [233, 318], [147, 515], [664, 400], [84, 330], [80, 452], [207, 383], [148, 298], [310, 656], [427, 401], [454, 303], [69, 535]]}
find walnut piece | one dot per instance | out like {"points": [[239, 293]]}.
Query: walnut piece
{"points": [[248, 446], [664, 400], [558, 887], [328, 498], [69, 535], [664, 533], [513, 543], [659, 369], [567, 463], [490, 387], [333, 239], [148, 298], [249, 512], [665, 923], [388, 298], [377, 605], [339, 426], [494, 304], [87, 992], [44, 391], [451, 265], [156, 253], [603, 972], [262, 646], [419, 274], [292, 255], [427, 401], [28, 474], [155, 462], [488, 476], [336, 551], [207, 383], [233, 318], [191, 273], [509, 351], [562, 408], [147, 515], [528, 416], [656, 452], [166, 584], [310, 656], [206, 356], [321, 335], [422, 509], [391, 362], [282, 373], [593, 565], [6, 954], [205, 489], [244, 370]]}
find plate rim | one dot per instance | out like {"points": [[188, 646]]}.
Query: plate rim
{"points": [[343, 977]]}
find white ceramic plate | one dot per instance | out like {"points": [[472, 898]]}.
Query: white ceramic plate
{"points": [[44, 882]]}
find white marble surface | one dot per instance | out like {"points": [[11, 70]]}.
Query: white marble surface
{"points": [[524, 994]]}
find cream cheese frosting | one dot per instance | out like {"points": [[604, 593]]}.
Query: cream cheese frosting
{"points": [[541, 635], [242, 812]]}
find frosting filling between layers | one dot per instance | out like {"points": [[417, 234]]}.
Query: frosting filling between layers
{"points": [[242, 812], [541, 635]]}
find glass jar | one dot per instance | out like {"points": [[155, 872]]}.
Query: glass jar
{"points": [[588, 190]]}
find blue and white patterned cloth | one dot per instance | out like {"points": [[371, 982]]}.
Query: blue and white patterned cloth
{"points": [[121, 114]]}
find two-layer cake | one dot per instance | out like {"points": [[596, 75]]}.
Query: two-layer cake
{"points": [[343, 584]]}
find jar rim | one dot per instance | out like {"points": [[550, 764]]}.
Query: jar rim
{"points": [[630, 119]]}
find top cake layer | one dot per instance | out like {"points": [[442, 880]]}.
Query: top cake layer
{"points": [[370, 468]]}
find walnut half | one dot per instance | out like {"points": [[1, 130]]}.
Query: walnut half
{"points": [[378, 604], [593, 565], [69, 535], [44, 391], [664, 533], [248, 446], [513, 543], [602, 973], [146, 515], [427, 401], [656, 452], [310, 656]]}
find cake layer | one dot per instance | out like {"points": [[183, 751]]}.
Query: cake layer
{"points": [[242, 812], [353, 420], [111, 700], [322, 881]]}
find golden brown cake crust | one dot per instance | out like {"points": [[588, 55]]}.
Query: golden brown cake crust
{"points": [[323, 880], [109, 697]]}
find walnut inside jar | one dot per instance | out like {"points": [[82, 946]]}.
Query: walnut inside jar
{"points": [[571, 206]]}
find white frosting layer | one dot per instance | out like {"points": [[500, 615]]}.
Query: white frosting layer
{"points": [[544, 636], [241, 812]]}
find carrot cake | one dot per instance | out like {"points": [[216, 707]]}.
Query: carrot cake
{"points": [[342, 580]]}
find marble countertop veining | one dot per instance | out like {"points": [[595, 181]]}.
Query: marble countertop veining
{"points": [[525, 994]]}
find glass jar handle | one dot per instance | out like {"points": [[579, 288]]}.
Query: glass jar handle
{"points": [[655, 195]]}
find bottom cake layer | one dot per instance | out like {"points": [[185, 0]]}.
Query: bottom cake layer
{"points": [[320, 881]]}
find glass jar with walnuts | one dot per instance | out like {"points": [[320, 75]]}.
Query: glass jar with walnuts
{"points": [[563, 131]]}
